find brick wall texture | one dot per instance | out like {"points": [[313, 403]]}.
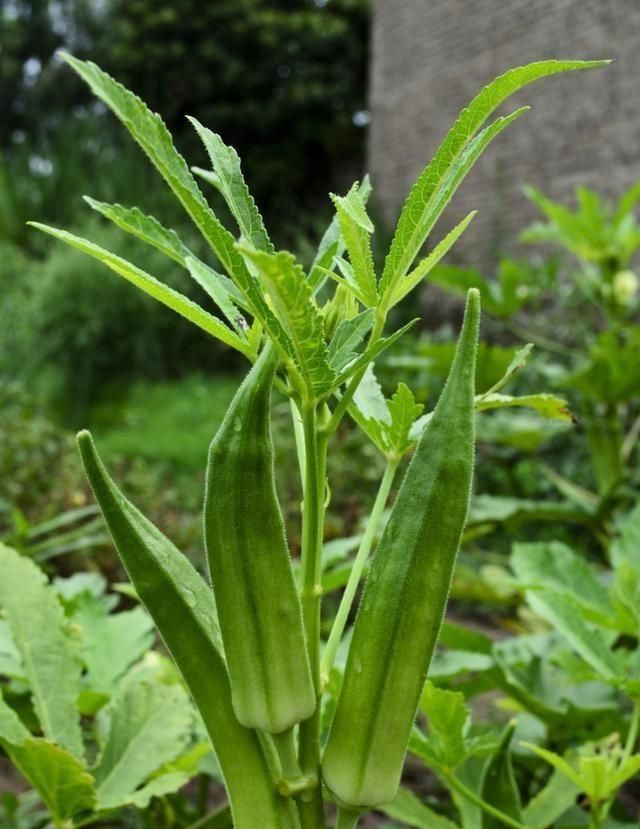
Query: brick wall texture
{"points": [[430, 57]]}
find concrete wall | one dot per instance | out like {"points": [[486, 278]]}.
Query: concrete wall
{"points": [[430, 57]]}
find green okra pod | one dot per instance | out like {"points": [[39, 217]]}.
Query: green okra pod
{"points": [[182, 607], [258, 605], [405, 595]]}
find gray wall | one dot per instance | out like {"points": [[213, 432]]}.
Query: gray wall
{"points": [[430, 57]]}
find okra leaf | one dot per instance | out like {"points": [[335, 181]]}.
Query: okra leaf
{"points": [[159, 786], [625, 547], [221, 293], [134, 221], [552, 801], [552, 566], [403, 411], [409, 809], [299, 315], [452, 161], [150, 132], [47, 648], [449, 723], [387, 423], [348, 336], [150, 726], [150, 285], [546, 405], [231, 184], [499, 787], [60, 779], [12, 728], [409, 282], [590, 642], [111, 642], [10, 660], [356, 229], [182, 606], [332, 244], [370, 353]]}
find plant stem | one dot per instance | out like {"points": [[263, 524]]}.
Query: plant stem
{"points": [[310, 802], [347, 818], [220, 818], [460, 787], [360, 560]]}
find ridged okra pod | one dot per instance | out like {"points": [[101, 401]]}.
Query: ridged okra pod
{"points": [[258, 604], [182, 607], [405, 595]]}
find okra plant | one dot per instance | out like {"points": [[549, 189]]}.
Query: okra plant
{"points": [[247, 639]]}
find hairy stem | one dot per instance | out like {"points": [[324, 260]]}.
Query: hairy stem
{"points": [[364, 549], [310, 802]]}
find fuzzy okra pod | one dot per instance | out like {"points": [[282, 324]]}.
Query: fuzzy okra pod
{"points": [[258, 605], [405, 595], [182, 607]]}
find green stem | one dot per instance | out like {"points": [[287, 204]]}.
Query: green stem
{"points": [[460, 787], [310, 802], [220, 818], [347, 818], [360, 560]]}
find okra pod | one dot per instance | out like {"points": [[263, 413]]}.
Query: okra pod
{"points": [[182, 607], [258, 605], [405, 595]]}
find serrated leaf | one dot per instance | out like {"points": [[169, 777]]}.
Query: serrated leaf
{"points": [[369, 398], [150, 285], [520, 359], [356, 229], [134, 221], [403, 410], [370, 354], [150, 725], [111, 643], [231, 183], [332, 243], [159, 786], [448, 717], [546, 405], [59, 778], [406, 807], [49, 653], [348, 336], [150, 132], [220, 292], [409, 282], [452, 161], [299, 315], [11, 726]]}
